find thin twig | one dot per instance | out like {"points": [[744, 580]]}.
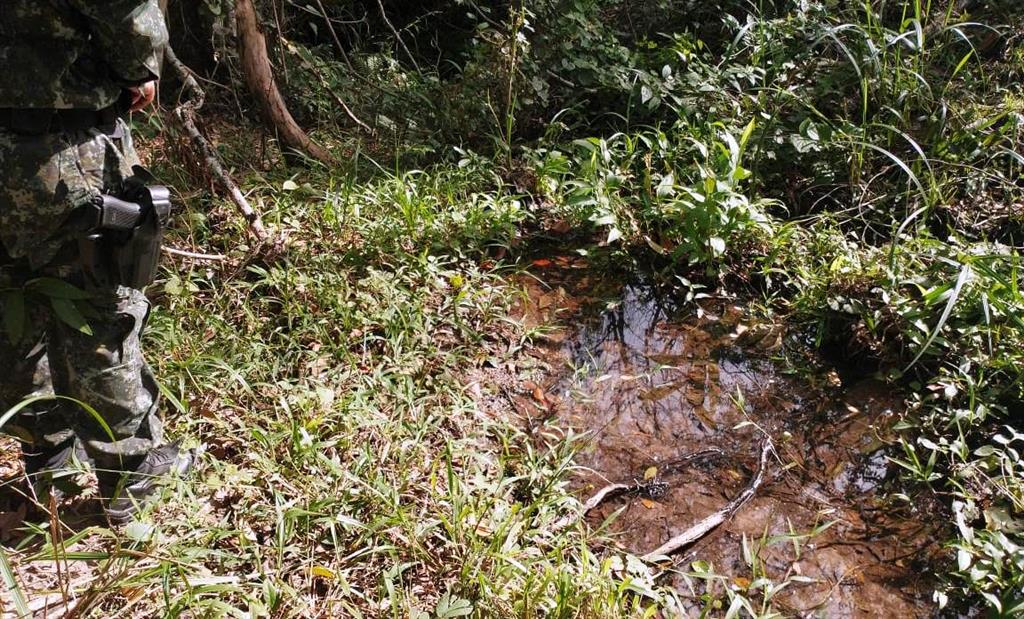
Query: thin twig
{"points": [[327, 86], [398, 37], [280, 35], [705, 526], [193, 256], [58, 542], [618, 489], [334, 35], [609, 491]]}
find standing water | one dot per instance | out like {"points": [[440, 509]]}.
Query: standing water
{"points": [[677, 404]]}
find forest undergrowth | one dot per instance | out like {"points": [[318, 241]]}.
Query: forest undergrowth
{"points": [[854, 169]]}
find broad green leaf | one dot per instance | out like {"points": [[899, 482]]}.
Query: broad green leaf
{"points": [[747, 132], [14, 315], [449, 606], [70, 315], [717, 245], [645, 94], [57, 289]]}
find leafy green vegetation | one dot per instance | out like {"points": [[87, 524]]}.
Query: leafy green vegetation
{"points": [[873, 198], [855, 168], [882, 144]]}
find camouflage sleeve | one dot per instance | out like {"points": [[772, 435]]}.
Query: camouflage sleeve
{"points": [[131, 36]]}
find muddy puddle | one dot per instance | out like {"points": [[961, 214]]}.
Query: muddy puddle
{"points": [[653, 384]]}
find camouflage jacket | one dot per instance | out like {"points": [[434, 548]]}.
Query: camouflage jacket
{"points": [[78, 54]]}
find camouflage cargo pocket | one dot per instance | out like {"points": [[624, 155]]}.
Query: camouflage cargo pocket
{"points": [[45, 179]]}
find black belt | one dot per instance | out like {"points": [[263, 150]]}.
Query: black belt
{"points": [[40, 121]]}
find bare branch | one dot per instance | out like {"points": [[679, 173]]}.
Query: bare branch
{"points": [[185, 113], [705, 526]]}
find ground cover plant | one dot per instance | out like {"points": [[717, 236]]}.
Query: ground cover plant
{"points": [[853, 168]]}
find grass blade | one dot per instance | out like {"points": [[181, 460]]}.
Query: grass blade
{"points": [[965, 274], [11, 582]]}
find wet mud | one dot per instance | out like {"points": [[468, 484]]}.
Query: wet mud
{"points": [[653, 384]]}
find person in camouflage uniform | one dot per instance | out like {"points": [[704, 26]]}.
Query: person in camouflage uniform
{"points": [[71, 69]]}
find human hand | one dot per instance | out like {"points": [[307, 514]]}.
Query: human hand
{"points": [[142, 96]]}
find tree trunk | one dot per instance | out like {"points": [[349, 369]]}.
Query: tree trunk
{"points": [[259, 77]]}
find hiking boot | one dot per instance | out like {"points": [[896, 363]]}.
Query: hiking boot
{"points": [[160, 464], [68, 473]]}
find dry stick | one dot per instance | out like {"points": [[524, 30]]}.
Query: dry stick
{"points": [[348, 111], [609, 491], [185, 112], [280, 34], [705, 526], [58, 541], [174, 251], [334, 35], [613, 490], [602, 495]]}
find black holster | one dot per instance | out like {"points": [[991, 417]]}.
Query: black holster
{"points": [[123, 247]]}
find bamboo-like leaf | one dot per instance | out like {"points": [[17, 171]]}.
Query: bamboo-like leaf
{"points": [[965, 274], [14, 315], [69, 314], [901, 164], [92, 412]]}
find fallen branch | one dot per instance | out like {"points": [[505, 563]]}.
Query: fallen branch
{"points": [[705, 526], [616, 490], [193, 256], [185, 113]]}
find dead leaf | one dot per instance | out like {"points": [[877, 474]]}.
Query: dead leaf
{"points": [[703, 414], [12, 463], [539, 395], [649, 504], [10, 521]]}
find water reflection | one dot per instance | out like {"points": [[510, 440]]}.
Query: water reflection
{"points": [[650, 388]]}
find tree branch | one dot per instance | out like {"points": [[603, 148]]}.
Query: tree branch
{"points": [[705, 526], [185, 113]]}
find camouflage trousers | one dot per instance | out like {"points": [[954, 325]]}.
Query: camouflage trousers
{"points": [[46, 181]]}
